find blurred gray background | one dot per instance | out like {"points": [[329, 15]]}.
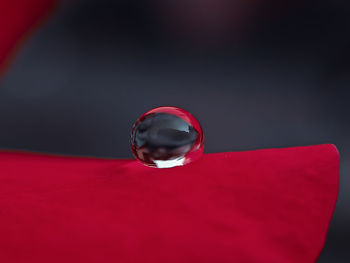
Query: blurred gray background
{"points": [[256, 73]]}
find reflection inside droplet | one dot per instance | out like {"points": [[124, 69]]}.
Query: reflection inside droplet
{"points": [[165, 137]]}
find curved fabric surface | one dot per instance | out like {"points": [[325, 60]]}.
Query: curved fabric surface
{"points": [[270, 205]]}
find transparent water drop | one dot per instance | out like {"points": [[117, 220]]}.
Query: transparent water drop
{"points": [[166, 137]]}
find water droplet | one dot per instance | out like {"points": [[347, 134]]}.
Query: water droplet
{"points": [[165, 137]]}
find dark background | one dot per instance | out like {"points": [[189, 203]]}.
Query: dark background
{"points": [[256, 73]]}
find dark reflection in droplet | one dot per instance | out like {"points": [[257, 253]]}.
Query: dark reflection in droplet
{"points": [[162, 139]]}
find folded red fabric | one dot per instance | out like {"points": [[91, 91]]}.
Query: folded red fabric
{"points": [[17, 19], [270, 206]]}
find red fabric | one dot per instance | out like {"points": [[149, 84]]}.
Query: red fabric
{"points": [[259, 206], [17, 18]]}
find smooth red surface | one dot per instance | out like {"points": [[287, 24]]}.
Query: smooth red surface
{"points": [[17, 19], [259, 206]]}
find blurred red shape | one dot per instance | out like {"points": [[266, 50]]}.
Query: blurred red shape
{"points": [[18, 18]]}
